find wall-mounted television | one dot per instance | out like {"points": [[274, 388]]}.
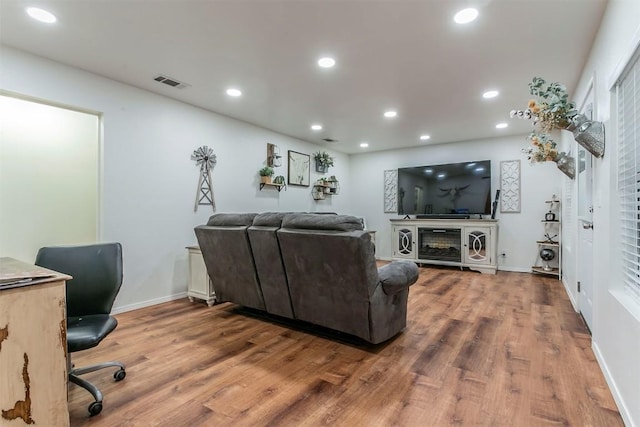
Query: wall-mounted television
{"points": [[450, 190]]}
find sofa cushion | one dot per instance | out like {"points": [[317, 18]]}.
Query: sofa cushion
{"points": [[231, 219], [269, 219]]}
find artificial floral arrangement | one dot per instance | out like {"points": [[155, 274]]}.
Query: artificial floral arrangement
{"points": [[543, 148], [323, 158], [551, 110]]}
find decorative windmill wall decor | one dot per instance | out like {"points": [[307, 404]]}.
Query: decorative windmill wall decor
{"points": [[206, 160]]}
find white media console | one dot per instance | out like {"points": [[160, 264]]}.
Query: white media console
{"points": [[468, 243]]}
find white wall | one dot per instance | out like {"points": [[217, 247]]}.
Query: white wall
{"points": [[149, 182], [518, 232], [48, 177], [616, 317]]}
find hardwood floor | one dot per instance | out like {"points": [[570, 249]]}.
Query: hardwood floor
{"points": [[478, 350]]}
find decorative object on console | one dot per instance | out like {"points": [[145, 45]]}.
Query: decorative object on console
{"points": [[206, 160], [299, 169], [323, 161], [510, 186], [552, 110], [391, 191]]}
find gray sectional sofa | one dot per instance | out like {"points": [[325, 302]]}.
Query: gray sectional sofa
{"points": [[315, 268]]}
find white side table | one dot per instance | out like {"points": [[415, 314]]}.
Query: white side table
{"points": [[199, 285]]}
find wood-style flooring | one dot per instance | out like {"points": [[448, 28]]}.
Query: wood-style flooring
{"points": [[478, 350]]}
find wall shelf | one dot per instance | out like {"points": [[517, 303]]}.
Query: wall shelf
{"points": [[272, 185], [553, 230]]}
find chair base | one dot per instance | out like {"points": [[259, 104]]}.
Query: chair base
{"points": [[119, 375]]}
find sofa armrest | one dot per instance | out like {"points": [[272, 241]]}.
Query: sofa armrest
{"points": [[397, 276]]}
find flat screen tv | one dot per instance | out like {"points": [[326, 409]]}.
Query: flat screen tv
{"points": [[450, 190]]}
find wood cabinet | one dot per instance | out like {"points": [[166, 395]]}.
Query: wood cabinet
{"points": [[199, 285], [466, 243], [33, 346]]}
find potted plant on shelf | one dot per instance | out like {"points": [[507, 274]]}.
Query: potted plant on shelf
{"points": [[323, 161], [265, 175], [279, 180]]}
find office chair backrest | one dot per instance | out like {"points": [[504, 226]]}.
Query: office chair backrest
{"points": [[96, 271]]}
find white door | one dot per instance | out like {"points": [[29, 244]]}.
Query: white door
{"points": [[584, 264], [585, 236]]}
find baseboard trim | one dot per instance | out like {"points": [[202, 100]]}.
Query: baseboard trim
{"points": [[148, 303], [624, 412], [574, 303]]}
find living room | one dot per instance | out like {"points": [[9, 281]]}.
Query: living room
{"points": [[148, 181]]}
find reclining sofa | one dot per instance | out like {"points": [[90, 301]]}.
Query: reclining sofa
{"points": [[315, 268]]}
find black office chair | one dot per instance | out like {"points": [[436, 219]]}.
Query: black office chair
{"points": [[97, 276]]}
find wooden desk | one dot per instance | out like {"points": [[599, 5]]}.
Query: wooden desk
{"points": [[33, 345]]}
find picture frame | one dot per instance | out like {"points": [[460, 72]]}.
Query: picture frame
{"points": [[299, 171]]}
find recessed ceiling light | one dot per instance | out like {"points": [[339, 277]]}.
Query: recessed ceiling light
{"points": [[424, 137], [501, 125], [490, 94], [441, 175], [427, 171], [326, 62], [41, 15], [390, 114], [364, 144], [234, 92], [316, 127], [466, 15]]}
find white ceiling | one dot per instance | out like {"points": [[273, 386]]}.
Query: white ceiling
{"points": [[404, 55]]}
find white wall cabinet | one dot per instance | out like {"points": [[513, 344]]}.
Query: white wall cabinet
{"points": [[199, 285], [457, 242]]}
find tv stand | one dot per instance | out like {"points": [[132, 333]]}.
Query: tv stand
{"points": [[470, 243]]}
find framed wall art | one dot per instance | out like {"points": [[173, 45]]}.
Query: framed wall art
{"points": [[299, 170]]}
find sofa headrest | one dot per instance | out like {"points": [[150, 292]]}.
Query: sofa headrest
{"points": [[322, 222], [269, 219], [231, 219]]}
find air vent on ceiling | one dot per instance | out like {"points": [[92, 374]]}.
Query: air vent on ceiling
{"points": [[171, 82], [329, 140]]}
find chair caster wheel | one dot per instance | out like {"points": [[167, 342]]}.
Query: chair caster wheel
{"points": [[95, 408], [119, 375]]}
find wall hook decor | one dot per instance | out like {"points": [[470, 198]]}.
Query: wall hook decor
{"points": [[206, 160]]}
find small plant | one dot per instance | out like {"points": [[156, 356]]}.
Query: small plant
{"points": [[279, 180], [333, 178], [323, 158], [266, 171]]}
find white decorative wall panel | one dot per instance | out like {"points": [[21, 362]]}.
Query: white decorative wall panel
{"points": [[391, 191], [510, 186]]}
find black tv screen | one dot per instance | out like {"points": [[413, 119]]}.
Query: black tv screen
{"points": [[451, 189]]}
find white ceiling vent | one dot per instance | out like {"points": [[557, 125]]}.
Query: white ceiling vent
{"points": [[171, 81]]}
